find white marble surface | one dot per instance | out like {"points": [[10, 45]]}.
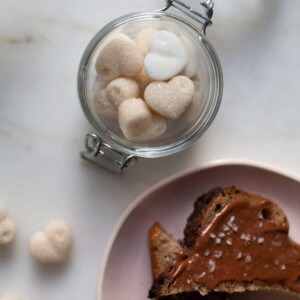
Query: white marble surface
{"points": [[42, 125]]}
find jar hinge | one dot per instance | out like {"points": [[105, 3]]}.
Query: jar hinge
{"points": [[205, 20], [103, 155]]}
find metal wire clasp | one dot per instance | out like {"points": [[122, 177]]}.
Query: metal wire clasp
{"points": [[204, 19], [103, 154]]}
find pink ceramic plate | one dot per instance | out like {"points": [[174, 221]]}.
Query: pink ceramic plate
{"points": [[126, 271]]}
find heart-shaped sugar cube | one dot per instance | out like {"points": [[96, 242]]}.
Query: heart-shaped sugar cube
{"points": [[101, 105], [144, 37], [7, 227], [138, 122], [53, 244], [143, 81], [120, 56], [191, 68], [107, 98], [194, 109], [166, 56], [121, 89], [170, 99], [9, 296]]}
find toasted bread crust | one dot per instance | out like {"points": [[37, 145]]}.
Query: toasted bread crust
{"points": [[194, 222], [212, 202]]}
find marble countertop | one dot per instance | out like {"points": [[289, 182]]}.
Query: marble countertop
{"points": [[42, 126]]}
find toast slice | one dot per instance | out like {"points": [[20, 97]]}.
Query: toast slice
{"points": [[164, 250], [235, 242]]}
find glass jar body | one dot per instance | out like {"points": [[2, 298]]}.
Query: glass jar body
{"points": [[209, 76]]}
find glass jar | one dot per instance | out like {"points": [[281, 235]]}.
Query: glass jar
{"points": [[107, 146]]}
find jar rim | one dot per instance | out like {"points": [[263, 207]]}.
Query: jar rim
{"points": [[140, 151]]}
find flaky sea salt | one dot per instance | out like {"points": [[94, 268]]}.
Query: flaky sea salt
{"points": [[231, 220], [225, 228], [234, 227], [248, 258], [229, 241], [246, 237], [276, 243], [218, 241], [218, 254], [206, 252], [238, 254], [211, 266], [260, 240]]}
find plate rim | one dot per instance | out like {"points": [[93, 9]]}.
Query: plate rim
{"points": [[165, 181]]}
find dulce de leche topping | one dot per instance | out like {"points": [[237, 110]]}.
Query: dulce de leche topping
{"points": [[243, 243]]}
